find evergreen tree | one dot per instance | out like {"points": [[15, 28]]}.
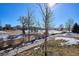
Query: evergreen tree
{"points": [[75, 28], [1, 27]]}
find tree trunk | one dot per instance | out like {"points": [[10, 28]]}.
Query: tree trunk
{"points": [[28, 34], [46, 34], [23, 30]]}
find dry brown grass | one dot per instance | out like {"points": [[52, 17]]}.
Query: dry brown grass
{"points": [[14, 32], [54, 49]]}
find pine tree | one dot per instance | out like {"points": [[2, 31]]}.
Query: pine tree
{"points": [[75, 28]]}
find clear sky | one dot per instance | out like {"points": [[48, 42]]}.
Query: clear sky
{"points": [[9, 13]]}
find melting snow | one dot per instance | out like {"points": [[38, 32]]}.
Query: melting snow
{"points": [[70, 34], [19, 37], [70, 41]]}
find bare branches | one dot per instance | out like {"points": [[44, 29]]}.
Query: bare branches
{"points": [[22, 20], [30, 17], [27, 21], [69, 24], [41, 9], [47, 14]]}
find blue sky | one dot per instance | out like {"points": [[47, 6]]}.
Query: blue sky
{"points": [[9, 13]]}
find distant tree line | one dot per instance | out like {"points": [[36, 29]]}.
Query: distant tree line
{"points": [[6, 27], [75, 27], [18, 27], [9, 27]]}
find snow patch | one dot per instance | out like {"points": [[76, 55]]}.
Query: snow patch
{"points": [[70, 34], [4, 37], [70, 41]]}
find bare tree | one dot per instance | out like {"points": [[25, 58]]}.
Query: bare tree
{"points": [[29, 22], [61, 27], [22, 20], [46, 15], [69, 24]]}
